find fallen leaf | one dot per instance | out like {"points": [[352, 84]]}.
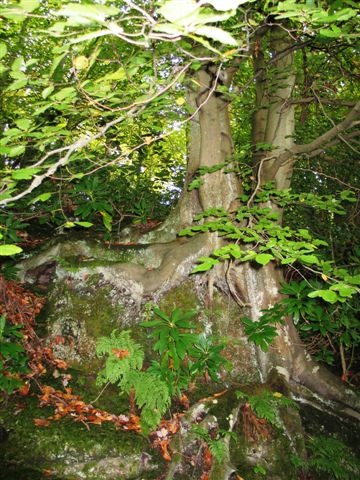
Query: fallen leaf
{"points": [[41, 422], [24, 390], [47, 472]]}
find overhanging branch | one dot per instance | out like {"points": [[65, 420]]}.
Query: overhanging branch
{"points": [[328, 136]]}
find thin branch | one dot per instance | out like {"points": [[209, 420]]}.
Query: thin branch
{"points": [[78, 144], [343, 138], [316, 99], [328, 176]]}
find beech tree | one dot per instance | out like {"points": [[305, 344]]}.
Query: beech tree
{"points": [[114, 80]]}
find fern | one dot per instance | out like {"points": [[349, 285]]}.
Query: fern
{"points": [[267, 404], [123, 368], [124, 356], [332, 459], [151, 396]]}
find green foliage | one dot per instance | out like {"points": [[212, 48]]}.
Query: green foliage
{"points": [[123, 367], [263, 331], [329, 459], [266, 405], [259, 470], [315, 317], [257, 236], [9, 227], [13, 359], [215, 442], [184, 355]]}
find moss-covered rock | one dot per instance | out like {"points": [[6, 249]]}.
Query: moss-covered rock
{"points": [[69, 451]]}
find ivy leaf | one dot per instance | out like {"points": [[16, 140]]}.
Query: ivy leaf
{"points": [[7, 250], [264, 258]]}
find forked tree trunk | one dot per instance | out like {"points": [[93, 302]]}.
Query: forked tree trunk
{"points": [[210, 144]]}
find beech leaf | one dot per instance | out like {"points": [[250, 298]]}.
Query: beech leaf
{"points": [[264, 258]]}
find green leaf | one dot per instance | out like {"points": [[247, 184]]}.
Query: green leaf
{"points": [[151, 323], [348, 195], [47, 91], [84, 224], [328, 295], [23, 123], [29, 5], [16, 152], [178, 11], [334, 32], [17, 85], [107, 220], [3, 49], [343, 289], [67, 92], [217, 34], [86, 14], [309, 259], [41, 198], [24, 173], [7, 250], [206, 264], [264, 258], [227, 4]]}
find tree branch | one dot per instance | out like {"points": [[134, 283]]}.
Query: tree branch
{"points": [[334, 142], [78, 144], [328, 136], [331, 101]]}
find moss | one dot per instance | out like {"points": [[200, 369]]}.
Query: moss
{"points": [[183, 296], [81, 312], [29, 449], [273, 455]]}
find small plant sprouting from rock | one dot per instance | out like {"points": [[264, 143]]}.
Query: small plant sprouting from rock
{"points": [[260, 411], [123, 367], [183, 356], [215, 440]]}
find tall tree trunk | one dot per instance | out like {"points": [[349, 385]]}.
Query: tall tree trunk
{"points": [[274, 128]]}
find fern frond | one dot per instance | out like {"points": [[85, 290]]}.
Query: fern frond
{"points": [[124, 356], [152, 396]]}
